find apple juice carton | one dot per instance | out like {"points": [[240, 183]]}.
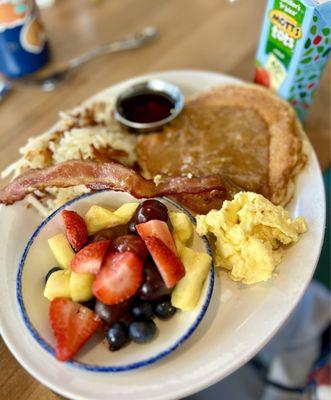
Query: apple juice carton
{"points": [[294, 47]]}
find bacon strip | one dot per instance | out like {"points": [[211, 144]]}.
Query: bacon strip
{"points": [[105, 176]]}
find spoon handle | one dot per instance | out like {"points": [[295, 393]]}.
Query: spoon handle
{"points": [[133, 41], [51, 81]]}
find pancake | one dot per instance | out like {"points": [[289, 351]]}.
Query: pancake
{"points": [[243, 132]]}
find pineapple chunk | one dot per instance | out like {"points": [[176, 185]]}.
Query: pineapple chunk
{"points": [[178, 243], [98, 218], [188, 290], [57, 285], [81, 286], [61, 249], [126, 211], [183, 227]]}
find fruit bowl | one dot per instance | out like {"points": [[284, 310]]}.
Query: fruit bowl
{"points": [[37, 260]]}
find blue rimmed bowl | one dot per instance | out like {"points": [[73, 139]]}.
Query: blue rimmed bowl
{"points": [[37, 260]]}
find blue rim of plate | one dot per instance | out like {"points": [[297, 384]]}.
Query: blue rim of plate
{"points": [[105, 368]]}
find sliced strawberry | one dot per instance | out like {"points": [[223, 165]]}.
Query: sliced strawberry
{"points": [[90, 258], [262, 77], [119, 278], [72, 325], [157, 229], [168, 264], [75, 228]]}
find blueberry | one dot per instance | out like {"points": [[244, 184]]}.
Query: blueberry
{"points": [[117, 336], [142, 311], [49, 273], [164, 310], [127, 319], [142, 331]]}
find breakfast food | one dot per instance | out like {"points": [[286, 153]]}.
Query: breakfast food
{"points": [[123, 270], [89, 132], [72, 325], [61, 249], [250, 236], [99, 176], [243, 132], [120, 282], [75, 228], [233, 138], [99, 218], [187, 291]]}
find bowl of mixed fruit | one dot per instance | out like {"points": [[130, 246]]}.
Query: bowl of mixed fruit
{"points": [[110, 283]]}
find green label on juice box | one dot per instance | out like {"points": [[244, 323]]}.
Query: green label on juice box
{"points": [[286, 19]]}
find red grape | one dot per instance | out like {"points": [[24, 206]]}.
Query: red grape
{"points": [[106, 234], [132, 226], [151, 209], [153, 286], [148, 210], [131, 243], [113, 313]]}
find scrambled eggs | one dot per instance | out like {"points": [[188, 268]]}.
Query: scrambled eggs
{"points": [[250, 234]]}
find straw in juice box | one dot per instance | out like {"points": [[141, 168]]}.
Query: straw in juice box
{"points": [[294, 47]]}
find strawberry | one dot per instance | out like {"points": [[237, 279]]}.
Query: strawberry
{"points": [[89, 259], [157, 229], [119, 277], [75, 228], [168, 264], [262, 77], [72, 325]]}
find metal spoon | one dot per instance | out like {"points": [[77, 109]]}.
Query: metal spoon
{"points": [[50, 82]]}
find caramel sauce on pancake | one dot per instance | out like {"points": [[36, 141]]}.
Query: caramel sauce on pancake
{"points": [[242, 132]]}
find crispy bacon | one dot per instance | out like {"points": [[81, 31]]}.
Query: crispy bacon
{"points": [[105, 176]]}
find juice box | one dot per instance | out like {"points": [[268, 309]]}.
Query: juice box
{"points": [[294, 47]]}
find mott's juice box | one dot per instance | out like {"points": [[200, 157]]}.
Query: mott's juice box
{"points": [[294, 48], [23, 44]]}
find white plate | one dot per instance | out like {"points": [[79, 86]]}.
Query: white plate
{"points": [[37, 260], [239, 321]]}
